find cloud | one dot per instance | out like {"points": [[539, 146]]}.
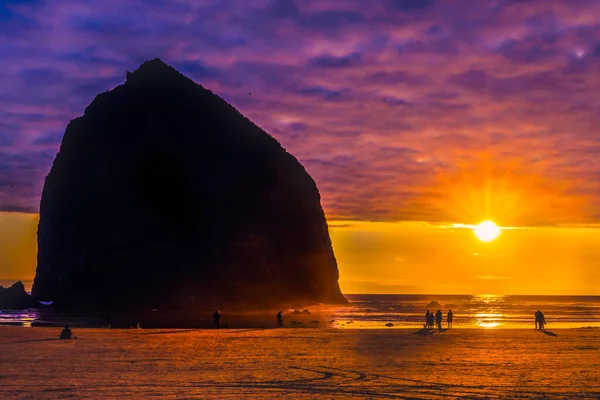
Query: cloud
{"points": [[329, 61], [322, 93], [338, 225], [17, 171], [404, 110], [489, 278], [410, 5]]}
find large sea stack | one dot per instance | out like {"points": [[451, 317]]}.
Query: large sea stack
{"points": [[164, 195]]}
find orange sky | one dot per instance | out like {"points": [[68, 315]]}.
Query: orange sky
{"points": [[18, 246], [415, 257], [411, 257]]}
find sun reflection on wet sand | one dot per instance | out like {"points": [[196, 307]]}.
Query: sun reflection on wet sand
{"points": [[488, 319], [488, 324]]}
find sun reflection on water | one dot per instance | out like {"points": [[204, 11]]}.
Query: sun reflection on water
{"points": [[489, 315], [489, 298]]}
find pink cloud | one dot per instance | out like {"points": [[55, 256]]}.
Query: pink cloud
{"points": [[399, 113]]}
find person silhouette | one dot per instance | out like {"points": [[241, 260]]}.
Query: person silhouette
{"points": [[431, 319], [427, 316], [107, 321], [216, 318], [438, 318], [450, 316], [537, 319], [280, 319], [541, 321], [66, 333]]}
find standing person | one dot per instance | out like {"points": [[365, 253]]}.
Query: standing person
{"points": [[537, 319], [280, 319], [216, 318], [542, 321], [450, 315], [427, 316], [107, 321], [438, 319]]}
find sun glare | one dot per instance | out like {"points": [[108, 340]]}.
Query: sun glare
{"points": [[486, 324], [486, 231]]}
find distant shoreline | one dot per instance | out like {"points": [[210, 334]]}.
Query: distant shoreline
{"points": [[363, 312]]}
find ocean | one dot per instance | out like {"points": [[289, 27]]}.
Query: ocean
{"points": [[408, 311], [484, 311]]}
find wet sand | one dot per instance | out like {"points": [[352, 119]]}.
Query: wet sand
{"points": [[299, 363]]}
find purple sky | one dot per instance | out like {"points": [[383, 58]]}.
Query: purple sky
{"points": [[440, 111]]}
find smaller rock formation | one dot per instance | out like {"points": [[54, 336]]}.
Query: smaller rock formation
{"points": [[15, 297], [433, 304]]}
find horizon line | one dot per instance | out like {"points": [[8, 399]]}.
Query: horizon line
{"points": [[469, 294], [346, 223]]}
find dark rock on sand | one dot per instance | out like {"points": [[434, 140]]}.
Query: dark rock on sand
{"points": [[15, 297], [164, 195]]}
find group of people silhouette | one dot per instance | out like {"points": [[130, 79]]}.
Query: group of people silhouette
{"points": [[432, 319]]}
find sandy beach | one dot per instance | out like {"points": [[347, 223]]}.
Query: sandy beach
{"points": [[299, 363]]}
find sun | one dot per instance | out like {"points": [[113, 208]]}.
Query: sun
{"points": [[486, 231]]}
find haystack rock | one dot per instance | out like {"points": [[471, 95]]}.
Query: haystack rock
{"points": [[164, 195]]}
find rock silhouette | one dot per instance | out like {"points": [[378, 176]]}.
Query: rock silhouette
{"points": [[15, 297], [162, 194], [433, 304]]}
